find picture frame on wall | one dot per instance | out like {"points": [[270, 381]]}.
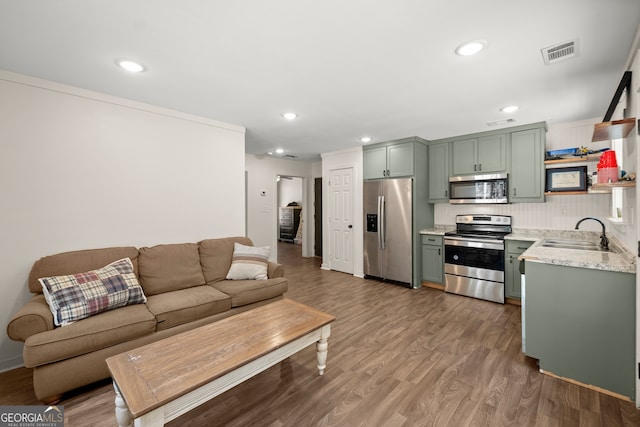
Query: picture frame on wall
{"points": [[566, 179]]}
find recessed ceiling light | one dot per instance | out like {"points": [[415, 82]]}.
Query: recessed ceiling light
{"points": [[290, 116], [471, 48], [509, 109], [131, 66], [365, 139], [279, 150]]}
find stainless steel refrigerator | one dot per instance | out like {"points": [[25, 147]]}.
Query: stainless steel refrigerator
{"points": [[388, 225]]}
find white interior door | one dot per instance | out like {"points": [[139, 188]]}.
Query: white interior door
{"points": [[341, 219]]}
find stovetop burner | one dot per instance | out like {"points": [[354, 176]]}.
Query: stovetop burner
{"points": [[482, 226]]}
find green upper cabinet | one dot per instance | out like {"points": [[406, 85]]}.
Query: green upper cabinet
{"points": [[526, 180], [438, 167], [375, 162], [391, 160], [485, 154], [400, 160]]}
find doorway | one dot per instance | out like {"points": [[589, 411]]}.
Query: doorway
{"points": [[317, 216], [289, 224]]}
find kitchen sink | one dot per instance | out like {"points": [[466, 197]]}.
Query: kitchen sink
{"points": [[581, 245]]}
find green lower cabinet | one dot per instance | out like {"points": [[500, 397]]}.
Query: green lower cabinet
{"points": [[432, 259], [512, 278], [580, 324]]}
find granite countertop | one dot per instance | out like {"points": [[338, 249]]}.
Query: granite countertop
{"points": [[620, 259], [438, 230]]}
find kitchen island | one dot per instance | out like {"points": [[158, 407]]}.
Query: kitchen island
{"points": [[578, 313]]}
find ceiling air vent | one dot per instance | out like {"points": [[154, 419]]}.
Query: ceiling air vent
{"points": [[501, 122], [560, 52]]}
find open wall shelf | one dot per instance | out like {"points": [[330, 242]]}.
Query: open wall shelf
{"points": [[615, 129], [588, 158]]}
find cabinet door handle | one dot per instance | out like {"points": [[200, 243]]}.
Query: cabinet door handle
{"points": [[439, 253], [510, 259], [514, 191], [475, 168], [523, 248], [479, 166], [388, 173], [446, 193], [384, 172], [431, 240]]}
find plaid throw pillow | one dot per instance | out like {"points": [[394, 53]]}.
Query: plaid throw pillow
{"points": [[81, 295], [249, 263]]}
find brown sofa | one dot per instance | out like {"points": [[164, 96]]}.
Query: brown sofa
{"points": [[185, 287]]}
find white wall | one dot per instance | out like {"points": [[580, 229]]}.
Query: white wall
{"points": [[262, 212], [290, 190], [83, 170], [633, 140]]}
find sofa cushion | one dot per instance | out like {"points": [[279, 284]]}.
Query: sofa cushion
{"points": [[93, 333], [77, 262], [172, 267], [78, 296], [216, 256], [244, 292], [186, 305], [249, 263]]}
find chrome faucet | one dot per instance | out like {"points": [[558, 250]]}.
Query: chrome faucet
{"points": [[604, 242]]}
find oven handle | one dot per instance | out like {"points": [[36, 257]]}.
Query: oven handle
{"points": [[473, 243]]}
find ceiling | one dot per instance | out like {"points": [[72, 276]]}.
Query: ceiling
{"points": [[384, 69]]}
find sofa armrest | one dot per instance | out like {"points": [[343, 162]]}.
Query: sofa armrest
{"points": [[275, 270], [34, 317]]}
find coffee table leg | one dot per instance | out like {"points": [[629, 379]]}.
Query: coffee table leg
{"points": [[122, 412], [321, 348]]}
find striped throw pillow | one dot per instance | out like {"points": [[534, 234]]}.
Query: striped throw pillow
{"points": [[249, 263]]}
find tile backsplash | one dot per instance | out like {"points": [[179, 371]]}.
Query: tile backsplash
{"points": [[558, 213]]}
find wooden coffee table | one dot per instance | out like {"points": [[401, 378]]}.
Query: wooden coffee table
{"points": [[158, 382]]}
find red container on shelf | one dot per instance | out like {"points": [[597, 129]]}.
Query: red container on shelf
{"points": [[607, 167], [606, 175], [608, 160]]}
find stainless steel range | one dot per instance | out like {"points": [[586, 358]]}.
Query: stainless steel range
{"points": [[474, 256]]}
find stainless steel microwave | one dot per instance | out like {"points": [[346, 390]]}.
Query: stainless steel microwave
{"points": [[488, 188]]}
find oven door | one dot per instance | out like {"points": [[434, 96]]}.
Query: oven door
{"points": [[475, 258], [475, 268]]}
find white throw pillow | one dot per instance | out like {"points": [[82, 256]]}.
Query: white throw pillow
{"points": [[249, 262]]}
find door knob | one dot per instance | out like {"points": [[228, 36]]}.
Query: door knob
{"points": [[350, 226]]}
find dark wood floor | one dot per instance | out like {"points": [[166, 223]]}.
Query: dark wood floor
{"points": [[397, 357]]}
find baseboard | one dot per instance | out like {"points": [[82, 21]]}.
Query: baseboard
{"points": [[589, 386], [11, 364], [433, 285]]}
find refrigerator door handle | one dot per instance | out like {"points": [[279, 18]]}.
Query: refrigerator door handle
{"points": [[381, 222]]}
